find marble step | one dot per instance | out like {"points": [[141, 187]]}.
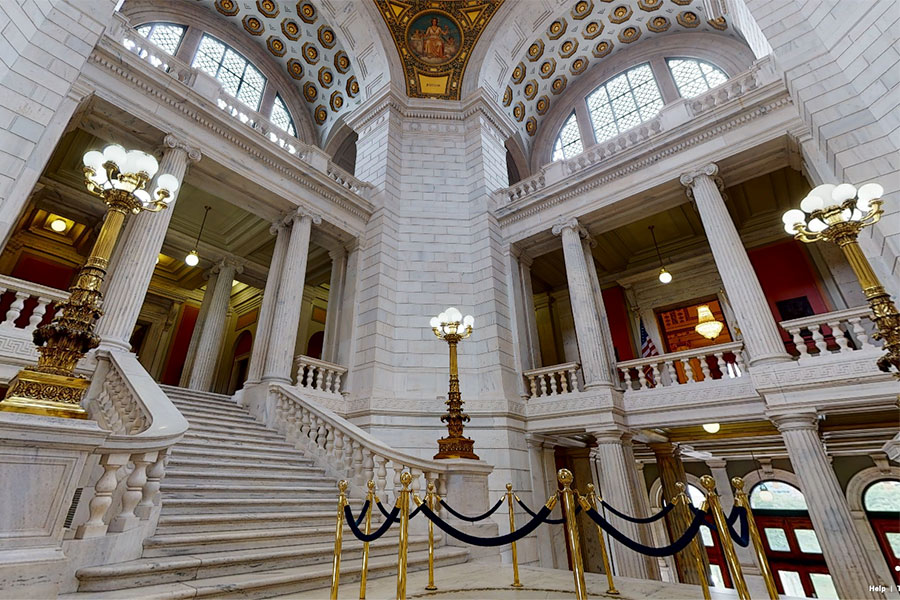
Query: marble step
{"points": [[188, 463], [261, 437], [215, 417], [276, 582], [281, 451], [237, 521], [220, 490], [187, 392], [214, 408], [215, 456], [209, 505], [175, 544], [223, 475], [227, 428]]}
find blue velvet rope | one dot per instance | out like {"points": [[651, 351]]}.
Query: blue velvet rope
{"points": [[548, 520], [371, 537], [481, 517], [666, 509], [738, 515], [673, 548], [488, 542], [362, 514]]}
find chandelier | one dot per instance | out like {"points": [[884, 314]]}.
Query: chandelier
{"points": [[707, 325]]}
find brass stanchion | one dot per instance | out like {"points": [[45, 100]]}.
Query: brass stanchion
{"points": [[432, 505], [512, 528], [682, 498], [731, 558], [338, 539], [568, 503], [403, 502], [364, 570], [740, 499], [592, 501]]}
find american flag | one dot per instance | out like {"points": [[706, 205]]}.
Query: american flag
{"points": [[648, 348]]}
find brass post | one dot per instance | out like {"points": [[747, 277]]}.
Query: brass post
{"points": [[593, 500], [455, 444], [567, 497], [731, 558], [403, 502], [512, 527], [740, 499], [683, 499], [430, 503], [338, 539], [364, 570]]}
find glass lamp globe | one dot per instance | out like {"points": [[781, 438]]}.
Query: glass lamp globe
{"points": [[765, 494], [665, 276], [711, 427], [453, 315], [58, 225], [192, 259], [435, 322]]}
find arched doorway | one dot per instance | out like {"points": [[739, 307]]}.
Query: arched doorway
{"points": [[314, 345], [789, 540], [881, 501], [242, 348]]}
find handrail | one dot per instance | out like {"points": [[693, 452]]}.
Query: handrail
{"points": [[320, 375], [847, 313], [552, 380], [35, 289], [551, 369], [836, 332], [705, 351]]}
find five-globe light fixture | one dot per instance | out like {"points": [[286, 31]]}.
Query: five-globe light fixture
{"points": [[119, 178], [837, 213], [451, 326]]}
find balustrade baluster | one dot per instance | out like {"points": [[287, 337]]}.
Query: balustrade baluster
{"points": [[321, 436], [329, 443], [134, 484], [573, 378], [739, 361], [337, 451], [532, 384], [720, 364], [151, 487], [543, 385], [672, 371], [656, 378], [381, 475], [320, 379], [859, 332], [37, 315], [303, 438], [799, 342], [553, 390], [368, 466], [398, 470], [15, 309], [704, 367], [839, 337], [564, 382], [642, 378], [819, 339], [626, 376], [102, 500], [356, 462], [329, 380], [338, 376]]}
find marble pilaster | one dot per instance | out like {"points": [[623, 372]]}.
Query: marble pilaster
{"points": [[842, 547], [209, 343], [267, 307], [335, 293], [531, 330], [136, 255], [760, 333]]}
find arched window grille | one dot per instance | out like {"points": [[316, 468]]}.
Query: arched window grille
{"points": [[626, 100], [568, 142], [165, 35], [281, 118], [238, 77], [693, 77]]}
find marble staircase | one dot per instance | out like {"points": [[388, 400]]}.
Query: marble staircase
{"points": [[243, 514]]}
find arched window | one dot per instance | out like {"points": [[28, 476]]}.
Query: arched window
{"points": [[693, 77], [281, 118], [165, 35], [626, 100], [776, 495], [568, 142], [238, 77], [882, 503]]}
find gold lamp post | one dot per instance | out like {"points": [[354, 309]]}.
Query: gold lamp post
{"points": [[837, 213], [452, 327], [51, 388]]}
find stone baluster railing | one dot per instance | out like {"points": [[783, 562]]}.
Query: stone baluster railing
{"points": [[837, 332], [757, 75], [555, 380], [124, 399], [30, 301], [347, 451], [319, 375], [345, 179], [153, 54], [607, 148], [702, 365]]}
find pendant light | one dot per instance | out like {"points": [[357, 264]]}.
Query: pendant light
{"points": [[764, 493], [193, 258], [707, 325], [664, 276]]}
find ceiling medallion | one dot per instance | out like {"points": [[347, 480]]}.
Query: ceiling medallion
{"points": [[519, 111], [620, 14], [295, 68], [556, 29], [253, 25], [352, 87], [578, 65], [530, 90], [435, 40], [310, 53], [326, 36], [602, 49], [649, 5], [688, 19], [518, 73], [307, 12], [629, 34], [542, 105], [592, 30], [337, 101], [531, 125], [310, 91], [326, 78], [275, 46], [582, 9], [268, 8], [568, 48], [658, 24], [341, 62], [507, 96], [718, 23], [536, 50], [290, 29], [547, 68], [558, 85], [320, 114], [227, 7]]}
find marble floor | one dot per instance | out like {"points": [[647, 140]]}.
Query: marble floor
{"points": [[489, 581]]}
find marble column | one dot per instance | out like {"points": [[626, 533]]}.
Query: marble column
{"points": [[209, 344], [758, 328], [346, 348], [600, 308], [539, 495], [616, 488], [212, 276], [533, 346], [842, 547], [267, 307], [718, 469], [333, 312], [591, 345], [136, 255], [283, 337], [671, 471], [641, 502]]}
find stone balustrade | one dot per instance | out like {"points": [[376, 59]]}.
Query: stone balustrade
{"points": [[701, 365], [555, 380], [154, 55], [838, 332], [30, 304], [735, 87], [319, 375]]}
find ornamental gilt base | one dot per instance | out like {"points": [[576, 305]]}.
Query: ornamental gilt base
{"points": [[46, 394]]}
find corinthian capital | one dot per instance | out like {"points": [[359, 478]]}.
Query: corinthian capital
{"points": [[173, 142], [572, 224]]}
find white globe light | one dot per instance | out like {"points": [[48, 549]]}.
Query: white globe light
{"points": [[811, 203], [133, 162], [94, 160], [167, 182], [793, 216], [469, 321], [869, 192], [817, 225], [99, 177], [435, 322], [143, 196], [711, 427], [116, 154], [789, 228], [453, 315], [442, 317], [842, 193], [824, 192], [58, 225], [857, 215], [192, 260], [149, 165], [665, 276]]}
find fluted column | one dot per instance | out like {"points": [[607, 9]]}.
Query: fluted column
{"points": [[267, 307], [530, 314], [616, 489], [641, 502], [209, 344], [591, 345], [136, 255], [718, 469], [842, 547], [335, 292], [212, 276], [283, 337], [600, 308], [761, 337]]}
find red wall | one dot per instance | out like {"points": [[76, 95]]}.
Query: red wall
{"points": [[180, 343], [43, 272], [785, 271], [617, 313]]}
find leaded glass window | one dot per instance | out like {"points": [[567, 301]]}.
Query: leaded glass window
{"points": [[626, 100], [165, 35], [693, 77], [281, 118], [568, 142], [238, 77]]}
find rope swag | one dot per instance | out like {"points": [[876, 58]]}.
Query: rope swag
{"points": [[738, 515], [502, 540], [548, 520], [480, 517], [361, 536], [673, 548], [362, 513], [666, 509]]}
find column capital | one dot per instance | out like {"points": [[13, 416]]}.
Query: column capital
{"points": [[716, 463], [796, 421], [337, 252], [572, 224], [172, 142], [277, 226], [232, 262], [612, 436], [301, 212], [710, 170]]}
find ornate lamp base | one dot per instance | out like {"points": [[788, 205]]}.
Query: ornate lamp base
{"points": [[456, 447], [45, 394]]}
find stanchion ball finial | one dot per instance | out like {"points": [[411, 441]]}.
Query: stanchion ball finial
{"points": [[405, 479], [679, 485], [371, 485], [342, 485], [709, 483], [590, 489], [508, 487], [431, 488], [565, 477], [738, 483]]}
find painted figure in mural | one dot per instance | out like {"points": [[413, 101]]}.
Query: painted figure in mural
{"points": [[434, 40]]}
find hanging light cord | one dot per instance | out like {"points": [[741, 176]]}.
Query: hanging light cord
{"points": [[655, 245], [202, 223]]}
